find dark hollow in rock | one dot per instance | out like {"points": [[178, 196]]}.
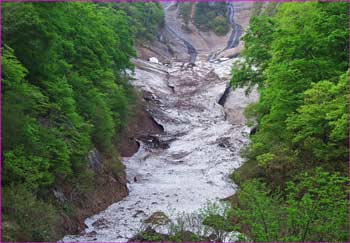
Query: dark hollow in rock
{"points": [[224, 96]]}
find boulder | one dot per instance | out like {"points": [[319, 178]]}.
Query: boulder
{"points": [[158, 218], [154, 60], [59, 195]]}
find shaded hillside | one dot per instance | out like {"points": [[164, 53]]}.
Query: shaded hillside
{"points": [[206, 16]]}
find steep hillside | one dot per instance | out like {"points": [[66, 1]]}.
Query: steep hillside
{"points": [[297, 162], [203, 41], [67, 106]]}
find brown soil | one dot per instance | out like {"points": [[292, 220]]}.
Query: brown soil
{"points": [[141, 126], [107, 190], [157, 49]]}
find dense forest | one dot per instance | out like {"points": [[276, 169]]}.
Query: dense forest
{"points": [[65, 92], [206, 16], [293, 186], [145, 19]]}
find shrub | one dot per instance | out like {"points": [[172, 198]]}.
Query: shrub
{"points": [[312, 208], [34, 219]]}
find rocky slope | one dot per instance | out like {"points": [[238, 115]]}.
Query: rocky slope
{"points": [[170, 44]]}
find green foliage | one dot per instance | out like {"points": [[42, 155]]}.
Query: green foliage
{"points": [[270, 8], [249, 169], [82, 187], [259, 211], [65, 88], [320, 124], [219, 25], [32, 171], [20, 100], [29, 217], [302, 110], [185, 11], [298, 59], [267, 9], [321, 203], [65, 91], [265, 159], [150, 236], [33, 154], [145, 18], [211, 16], [179, 236], [185, 236], [257, 8], [117, 168], [218, 222], [210, 223], [250, 72], [313, 209]]}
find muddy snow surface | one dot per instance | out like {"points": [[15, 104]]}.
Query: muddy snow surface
{"points": [[200, 147], [203, 148]]}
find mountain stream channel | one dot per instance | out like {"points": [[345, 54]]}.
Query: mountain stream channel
{"points": [[203, 137]]}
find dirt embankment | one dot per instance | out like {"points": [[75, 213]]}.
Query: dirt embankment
{"points": [[107, 189], [160, 49], [141, 127]]}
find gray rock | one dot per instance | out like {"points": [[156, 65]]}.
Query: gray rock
{"points": [[94, 159], [59, 195], [158, 218]]}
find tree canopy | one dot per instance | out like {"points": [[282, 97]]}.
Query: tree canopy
{"points": [[65, 91], [298, 61]]}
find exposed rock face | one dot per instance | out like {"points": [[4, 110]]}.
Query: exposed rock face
{"points": [[175, 41], [203, 42], [107, 190], [243, 13], [141, 127], [100, 224], [108, 187], [154, 60], [61, 198], [223, 98], [94, 159]]}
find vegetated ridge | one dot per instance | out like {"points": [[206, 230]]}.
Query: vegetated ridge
{"points": [[67, 103]]}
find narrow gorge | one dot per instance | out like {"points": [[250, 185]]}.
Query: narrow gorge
{"points": [[175, 121], [188, 164]]}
